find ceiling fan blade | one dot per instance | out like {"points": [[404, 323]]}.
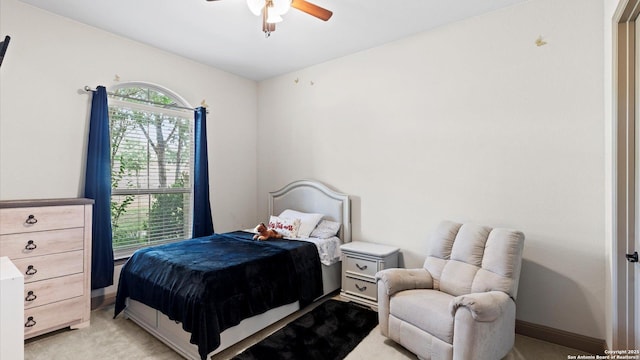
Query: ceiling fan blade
{"points": [[312, 9]]}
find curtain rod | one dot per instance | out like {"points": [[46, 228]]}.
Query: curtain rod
{"points": [[87, 89]]}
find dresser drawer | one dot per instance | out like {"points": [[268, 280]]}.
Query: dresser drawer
{"points": [[56, 315], [27, 219], [361, 266], [50, 266], [361, 288], [48, 291], [17, 246]]}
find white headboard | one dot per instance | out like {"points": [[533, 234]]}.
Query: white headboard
{"points": [[314, 197]]}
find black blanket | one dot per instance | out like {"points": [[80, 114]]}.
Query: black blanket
{"points": [[212, 283]]}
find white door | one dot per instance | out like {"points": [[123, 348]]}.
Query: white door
{"points": [[626, 162], [633, 289]]}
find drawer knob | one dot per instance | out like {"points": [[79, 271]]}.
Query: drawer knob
{"points": [[30, 296], [361, 288], [363, 267], [30, 322], [30, 245], [31, 270], [31, 220]]}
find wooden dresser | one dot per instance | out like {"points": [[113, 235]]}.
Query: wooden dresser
{"points": [[49, 241]]}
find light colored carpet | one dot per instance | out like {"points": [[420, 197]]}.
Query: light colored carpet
{"points": [[121, 339]]}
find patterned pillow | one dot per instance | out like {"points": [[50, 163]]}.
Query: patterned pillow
{"points": [[326, 229], [308, 221], [285, 227]]}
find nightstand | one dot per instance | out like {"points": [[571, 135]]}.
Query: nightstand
{"points": [[360, 262]]}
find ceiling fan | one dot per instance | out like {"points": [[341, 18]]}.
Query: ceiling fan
{"points": [[272, 11]]}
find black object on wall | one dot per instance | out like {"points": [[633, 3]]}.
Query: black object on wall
{"points": [[3, 47]]}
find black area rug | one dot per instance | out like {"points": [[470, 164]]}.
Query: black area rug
{"points": [[328, 332]]}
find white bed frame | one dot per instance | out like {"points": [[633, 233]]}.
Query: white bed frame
{"points": [[303, 195]]}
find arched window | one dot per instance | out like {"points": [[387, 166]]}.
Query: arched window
{"points": [[151, 166]]}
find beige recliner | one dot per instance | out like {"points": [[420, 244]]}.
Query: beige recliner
{"points": [[461, 304]]}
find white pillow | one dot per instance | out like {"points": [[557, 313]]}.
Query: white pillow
{"points": [[285, 227], [308, 221], [326, 229]]}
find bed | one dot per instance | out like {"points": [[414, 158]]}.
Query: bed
{"points": [[304, 196]]}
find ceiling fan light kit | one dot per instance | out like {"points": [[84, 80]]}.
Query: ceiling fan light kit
{"points": [[280, 7], [273, 18], [255, 6], [272, 11], [274, 8]]}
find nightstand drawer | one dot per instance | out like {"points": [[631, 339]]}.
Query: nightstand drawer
{"points": [[361, 288], [361, 266]]}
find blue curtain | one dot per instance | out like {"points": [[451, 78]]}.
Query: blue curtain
{"points": [[98, 187], [202, 223]]}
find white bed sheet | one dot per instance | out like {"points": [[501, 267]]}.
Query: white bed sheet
{"points": [[328, 249]]}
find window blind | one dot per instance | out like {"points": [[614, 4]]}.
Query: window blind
{"points": [[151, 167]]}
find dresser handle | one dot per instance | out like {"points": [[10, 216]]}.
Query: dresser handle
{"points": [[361, 288], [30, 322], [31, 220], [364, 267], [31, 270], [30, 296], [30, 245]]}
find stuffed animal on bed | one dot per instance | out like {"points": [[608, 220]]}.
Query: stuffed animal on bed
{"points": [[264, 234]]}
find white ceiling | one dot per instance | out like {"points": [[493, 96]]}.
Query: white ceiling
{"points": [[226, 35]]}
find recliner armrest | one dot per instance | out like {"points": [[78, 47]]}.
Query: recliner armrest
{"points": [[484, 307], [395, 280]]}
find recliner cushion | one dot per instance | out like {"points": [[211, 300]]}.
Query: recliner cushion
{"points": [[469, 244], [501, 263], [465, 259], [457, 277], [425, 309]]}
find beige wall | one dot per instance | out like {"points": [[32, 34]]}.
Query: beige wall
{"points": [[44, 114], [470, 122]]}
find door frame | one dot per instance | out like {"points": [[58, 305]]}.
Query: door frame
{"points": [[624, 174]]}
